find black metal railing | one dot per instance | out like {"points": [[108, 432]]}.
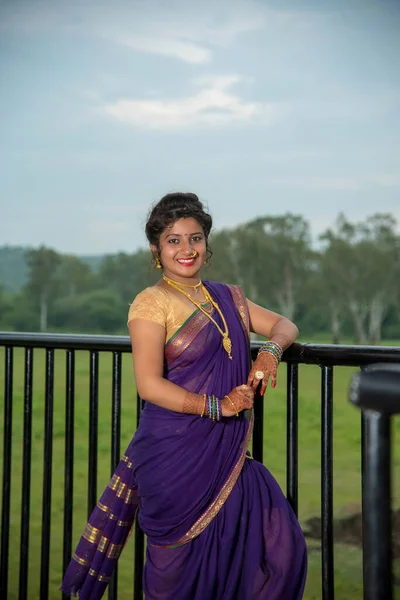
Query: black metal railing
{"points": [[325, 356], [376, 391]]}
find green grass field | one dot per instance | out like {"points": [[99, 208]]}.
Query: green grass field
{"points": [[346, 464]]}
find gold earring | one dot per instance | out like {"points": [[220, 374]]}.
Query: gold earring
{"points": [[158, 263]]}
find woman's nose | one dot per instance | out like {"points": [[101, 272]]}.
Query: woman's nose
{"points": [[188, 247]]}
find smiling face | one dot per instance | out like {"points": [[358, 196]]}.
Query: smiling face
{"points": [[183, 250]]}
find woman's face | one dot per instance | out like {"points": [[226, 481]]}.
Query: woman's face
{"points": [[183, 249]]}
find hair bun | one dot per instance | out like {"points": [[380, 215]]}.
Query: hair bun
{"points": [[171, 208]]}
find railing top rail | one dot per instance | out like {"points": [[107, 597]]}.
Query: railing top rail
{"points": [[346, 355], [312, 354], [66, 341]]}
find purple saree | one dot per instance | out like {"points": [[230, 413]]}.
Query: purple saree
{"points": [[217, 524]]}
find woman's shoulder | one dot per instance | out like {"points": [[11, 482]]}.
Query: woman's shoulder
{"points": [[150, 304], [154, 292]]}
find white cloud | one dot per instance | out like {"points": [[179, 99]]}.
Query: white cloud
{"points": [[167, 46], [175, 28], [213, 104]]}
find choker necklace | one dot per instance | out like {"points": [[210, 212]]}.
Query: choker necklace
{"points": [[226, 340], [193, 287]]}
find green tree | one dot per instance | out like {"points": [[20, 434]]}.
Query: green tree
{"points": [[358, 271], [225, 262], [6, 304], [94, 312], [127, 274], [276, 258], [380, 247], [43, 264], [74, 276]]}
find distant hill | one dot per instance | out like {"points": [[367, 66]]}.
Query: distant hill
{"points": [[14, 270]]}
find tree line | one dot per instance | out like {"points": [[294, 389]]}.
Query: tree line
{"points": [[346, 285]]}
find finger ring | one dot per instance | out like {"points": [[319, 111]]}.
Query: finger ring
{"points": [[259, 374]]}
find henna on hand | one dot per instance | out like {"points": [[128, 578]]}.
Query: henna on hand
{"points": [[268, 364], [242, 398], [194, 404]]}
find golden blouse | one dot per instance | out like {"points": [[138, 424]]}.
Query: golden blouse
{"points": [[158, 305]]}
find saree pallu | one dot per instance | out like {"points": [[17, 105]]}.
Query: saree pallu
{"points": [[217, 524]]}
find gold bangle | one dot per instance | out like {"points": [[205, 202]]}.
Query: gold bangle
{"points": [[204, 407], [233, 404]]}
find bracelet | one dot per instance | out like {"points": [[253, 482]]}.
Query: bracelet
{"points": [[204, 406], [214, 408], [210, 406], [218, 408], [233, 404], [272, 348], [277, 360]]}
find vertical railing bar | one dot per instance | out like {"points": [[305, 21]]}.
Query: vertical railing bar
{"points": [[292, 426], [139, 536], [327, 483], [116, 411], [115, 443], [7, 451], [365, 540], [26, 475], [69, 459], [377, 530], [93, 430], [47, 473]]}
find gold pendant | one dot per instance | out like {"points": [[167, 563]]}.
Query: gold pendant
{"points": [[227, 344]]}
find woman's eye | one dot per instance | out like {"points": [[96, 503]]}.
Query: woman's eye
{"points": [[173, 241], [197, 238]]}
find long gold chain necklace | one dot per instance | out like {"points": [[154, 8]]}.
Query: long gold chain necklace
{"points": [[196, 287], [226, 340]]}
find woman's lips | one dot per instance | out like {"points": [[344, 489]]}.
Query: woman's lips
{"points": [[187, 262]]}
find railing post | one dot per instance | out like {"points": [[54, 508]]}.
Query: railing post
{"points": [[292, 426], [376, 391], [327, 483], [7, 450], [26, 476]]}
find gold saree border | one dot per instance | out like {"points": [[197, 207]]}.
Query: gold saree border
{"points": [[239, 299], [221, 497], [182, 338]]}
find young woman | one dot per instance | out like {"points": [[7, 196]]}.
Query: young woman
{"points": [[217, 524]]}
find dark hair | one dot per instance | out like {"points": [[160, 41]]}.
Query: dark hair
{"points": [[174, 206]]}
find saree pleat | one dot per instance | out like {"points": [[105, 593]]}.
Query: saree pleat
{"points": [[105, 535], [217, 524]]}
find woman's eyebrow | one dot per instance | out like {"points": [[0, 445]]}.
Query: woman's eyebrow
{"points": [[180, 234]]}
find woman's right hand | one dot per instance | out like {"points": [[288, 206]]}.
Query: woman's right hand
{"points": [[242, 398]]}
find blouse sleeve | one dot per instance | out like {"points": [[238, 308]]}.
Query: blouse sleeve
{"points": [[149, 305]]}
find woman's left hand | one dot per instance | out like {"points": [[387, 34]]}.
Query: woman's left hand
{"points": [[264, 367]]}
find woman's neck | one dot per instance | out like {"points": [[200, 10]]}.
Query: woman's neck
{"points": [[183, 281]]}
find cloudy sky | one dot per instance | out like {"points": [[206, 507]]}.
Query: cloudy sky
{"points": [[259, 106]]}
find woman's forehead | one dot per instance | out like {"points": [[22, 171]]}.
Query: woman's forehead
{"points": [[187, 226]]}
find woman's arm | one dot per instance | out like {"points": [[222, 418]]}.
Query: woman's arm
{"points": [[277, 329], [148, 340], [271, 325], [148, 362]]}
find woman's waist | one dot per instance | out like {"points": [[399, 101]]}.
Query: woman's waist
{"points": [[182, 444]]}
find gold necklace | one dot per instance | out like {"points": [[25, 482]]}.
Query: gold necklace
{"points": [[226, 341], [193, 287], [177, 285]]}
